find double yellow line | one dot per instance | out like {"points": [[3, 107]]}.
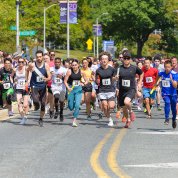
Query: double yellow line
{"points": [[111, 158]]}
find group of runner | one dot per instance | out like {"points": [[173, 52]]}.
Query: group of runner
{"points": [[53, 84]]}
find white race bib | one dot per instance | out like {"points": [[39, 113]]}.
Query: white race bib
{"points": [[6, 86], [39, 79], [106, 81], [125, 83], [149, 79], [76, 83], [21, 84], [57, 80], [166, 83]]}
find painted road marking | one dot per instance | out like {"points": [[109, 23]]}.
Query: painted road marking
{"points": [[156, 165], [159, 133], [111, 160], [94, 159]]}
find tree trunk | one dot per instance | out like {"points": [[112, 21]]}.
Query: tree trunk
{"points": [[140, 45]]}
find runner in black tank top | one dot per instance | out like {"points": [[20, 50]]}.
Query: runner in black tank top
{"points": [[74, 86]]}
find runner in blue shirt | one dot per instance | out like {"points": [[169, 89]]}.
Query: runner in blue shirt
{"points": [[169, 80]]}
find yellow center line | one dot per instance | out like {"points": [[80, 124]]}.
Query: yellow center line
{"points": [[94, 159], [112, 155]]}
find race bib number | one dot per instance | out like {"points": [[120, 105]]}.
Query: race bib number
{"points": [[6, 86], [76, 83], [149, 79], [58, 81], [106, 81], [39, 79], [21, 84], [126, 83], [166, 83]]}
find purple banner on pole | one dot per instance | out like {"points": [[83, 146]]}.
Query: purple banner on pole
{"points": [[72, 12], [99, 30]]}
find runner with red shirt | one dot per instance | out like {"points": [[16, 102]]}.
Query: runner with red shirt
{"points": [[149, 80]]}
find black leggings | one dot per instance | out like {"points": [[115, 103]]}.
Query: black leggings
{"points": [[39, 97], [56, 103]]}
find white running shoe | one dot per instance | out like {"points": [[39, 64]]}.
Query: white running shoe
{"points": [[111, 123], [74, 123], [23, 121], [139, 108]]}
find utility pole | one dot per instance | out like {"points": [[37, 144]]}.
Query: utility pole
{"points": [[68, 30], [17, 26]]}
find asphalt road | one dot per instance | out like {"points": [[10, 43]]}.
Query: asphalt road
{"points": [[149, 149]]}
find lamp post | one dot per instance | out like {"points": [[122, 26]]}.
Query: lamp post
{"points": [[68, 30], [97, 42], [44, 33], [17, 26]]}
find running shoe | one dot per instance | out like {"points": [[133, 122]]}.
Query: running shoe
{"points": [[89, 117], [23, 121], [174, 124], [132, 116], [159, 108], [10, 113], [127, 125], [124, 119], [51, 114], [139, 108], [149, 116], [74, 124], [40, 122], [100, 115], [56, 115], [111, 123], [166, 122], [145, 110]]}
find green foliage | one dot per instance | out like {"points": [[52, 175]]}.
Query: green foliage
{"points": [[129, 23], [135, 20]]}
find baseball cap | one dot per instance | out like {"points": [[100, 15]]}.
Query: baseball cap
{"points": [[126, 54], [16, 55]]}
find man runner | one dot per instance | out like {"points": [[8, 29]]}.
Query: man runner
{"points": [[40, 75]]}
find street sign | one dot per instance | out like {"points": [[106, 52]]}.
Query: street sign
{"points": [[28, 33], [109, 47], [13, 28], [89, 44], [97, 28]]}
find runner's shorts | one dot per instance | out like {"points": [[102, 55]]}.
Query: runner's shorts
{"points": [[10, 91], [110, 96], [22, 92], [87, 88], [59, 94], [123, 94], [146, 93]]}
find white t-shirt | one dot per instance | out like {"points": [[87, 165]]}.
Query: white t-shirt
{"points": [[57, 83]]}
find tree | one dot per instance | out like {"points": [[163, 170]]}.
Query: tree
{"points": [[136, 19]]}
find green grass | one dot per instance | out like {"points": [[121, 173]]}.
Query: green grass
{"points": [[73, 54]]}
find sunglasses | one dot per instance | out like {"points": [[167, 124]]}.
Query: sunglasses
{"points": [[126, 58], [21, 62], [120, 57], [52, 54]]}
